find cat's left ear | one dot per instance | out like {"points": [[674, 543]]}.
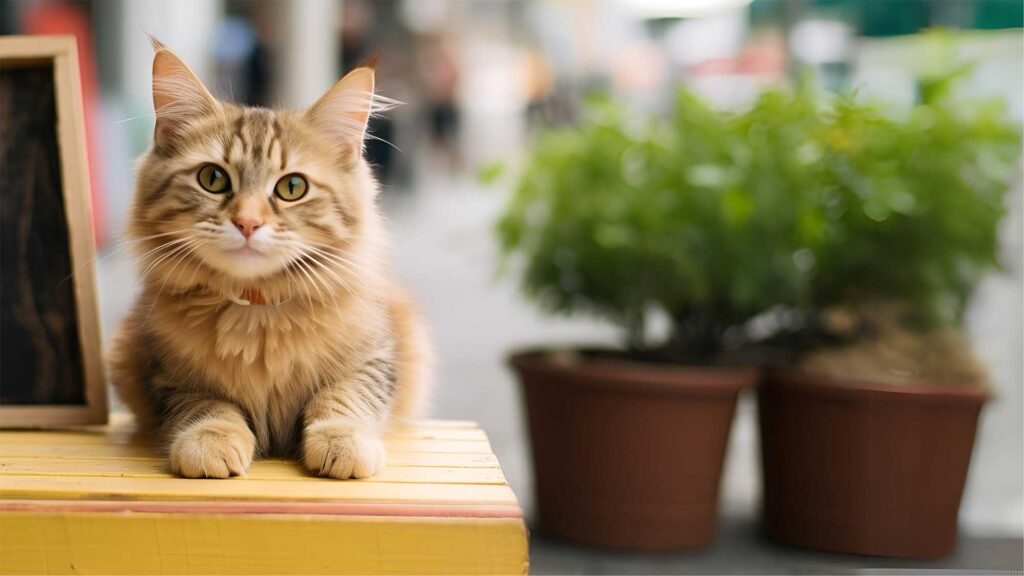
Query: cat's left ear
{"points": [[342, 113], [179, 97]]}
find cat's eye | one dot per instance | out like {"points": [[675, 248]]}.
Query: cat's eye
{"points": [[214, 179], [291, 187]]}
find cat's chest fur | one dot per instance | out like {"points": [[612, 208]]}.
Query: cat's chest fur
{"points": [[257, 346], [268, 359]]}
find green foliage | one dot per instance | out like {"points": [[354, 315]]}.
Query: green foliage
{"points": [[490, 173], [912, 204], [802, 201]]}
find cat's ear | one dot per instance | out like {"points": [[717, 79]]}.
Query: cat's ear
{"points": [[342, 113], [179, 97]]}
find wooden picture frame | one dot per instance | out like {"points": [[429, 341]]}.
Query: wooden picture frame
{"points": [[52, 367]]}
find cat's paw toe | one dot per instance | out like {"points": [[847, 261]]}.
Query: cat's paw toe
{"points": [[342, 450], [212, 450]]}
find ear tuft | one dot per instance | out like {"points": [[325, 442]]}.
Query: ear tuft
{"points": [[155, 43]]}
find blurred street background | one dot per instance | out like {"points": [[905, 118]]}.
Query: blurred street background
{"points": [[478, 80]]}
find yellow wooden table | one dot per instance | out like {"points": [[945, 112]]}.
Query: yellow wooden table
{"points": [[98, 500]]}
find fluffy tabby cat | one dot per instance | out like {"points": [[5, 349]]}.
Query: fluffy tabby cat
{"points": [[268, 321]]}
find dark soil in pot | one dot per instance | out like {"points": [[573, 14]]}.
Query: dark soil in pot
{"points": [[628, 455], [862, 467]]}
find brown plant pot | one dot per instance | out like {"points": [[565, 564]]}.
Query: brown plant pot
{"points": [[628, 455], [865, 468]]}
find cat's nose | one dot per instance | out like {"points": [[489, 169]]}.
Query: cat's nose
{"points": [[246, 224]]}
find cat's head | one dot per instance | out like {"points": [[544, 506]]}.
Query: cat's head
{"points": [[245, 198]]}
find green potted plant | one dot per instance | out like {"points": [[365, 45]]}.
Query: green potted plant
{"points": [[867, 439], [625, 219]]}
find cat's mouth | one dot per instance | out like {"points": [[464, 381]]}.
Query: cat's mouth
{"points": [[245, 262], [247, 250]]}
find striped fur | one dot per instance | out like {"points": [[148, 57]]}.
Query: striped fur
{"points": [[335, 355]]}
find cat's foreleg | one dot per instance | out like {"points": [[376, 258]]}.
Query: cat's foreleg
{"points": [[345, 421], [208, 437]]}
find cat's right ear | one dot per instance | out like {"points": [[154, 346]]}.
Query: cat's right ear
{"points": [[179, 97]]}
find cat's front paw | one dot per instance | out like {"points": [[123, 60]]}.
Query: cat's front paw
{"points": [[212, 449], [342, 449]]}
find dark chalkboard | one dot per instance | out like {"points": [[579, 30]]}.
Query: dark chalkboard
{"points": [[50, 367], [42, 358]]}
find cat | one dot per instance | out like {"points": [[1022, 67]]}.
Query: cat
{"points": [[268, 321]]}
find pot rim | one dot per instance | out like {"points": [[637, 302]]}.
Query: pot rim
{"points": [[636, 375], [859, 386]]}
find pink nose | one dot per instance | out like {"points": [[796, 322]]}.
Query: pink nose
{"points": [[246, 225]]}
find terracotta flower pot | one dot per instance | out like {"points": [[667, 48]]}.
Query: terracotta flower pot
{"points": [[628, 455], [865, 468]]}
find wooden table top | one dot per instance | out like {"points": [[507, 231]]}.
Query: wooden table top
{"points": [[70, 498]]}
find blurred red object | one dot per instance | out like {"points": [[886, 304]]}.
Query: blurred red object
{"points": [[54, 18]]}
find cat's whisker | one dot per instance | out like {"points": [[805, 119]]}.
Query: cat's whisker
{"points": [[155, 253], [191, 254], [337, 279], [361, 268], [347, 287], [306, 285], [132, 242], [313, 270], [187, 254], [122, 121], [344, 261], [337, 264], [195, 271], [334, 250], [156, 298], [289, 282], [182, 244], [369, 136], [152, 221], [171, 255], [344, 268], [96, 259], [140, 239], [341, 260], [311, 274], [120, 246], [295, 282], [192, 235]]}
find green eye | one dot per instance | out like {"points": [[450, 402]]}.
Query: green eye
{"points": [[291, 187], [214, 179]]}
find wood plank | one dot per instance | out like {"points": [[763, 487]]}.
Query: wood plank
{"points": [[33, 48], [139, 543], [253, 507], [127, 434], [439, 433], [43, 442], [135, 452], [260, 470], [121, 419], [432, 423], [106, 488]]}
